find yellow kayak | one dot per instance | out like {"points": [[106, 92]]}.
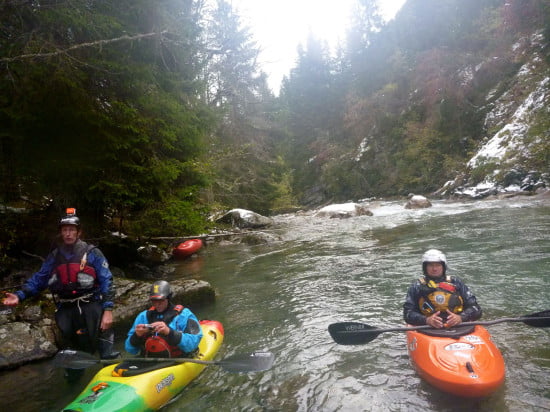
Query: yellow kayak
{"points": [[146, 386]]}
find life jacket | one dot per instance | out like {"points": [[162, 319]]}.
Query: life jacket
{"points": [[439, 297], [73, 277], [156, 346]]}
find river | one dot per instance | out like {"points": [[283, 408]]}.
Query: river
{"points": [[282, 296]]}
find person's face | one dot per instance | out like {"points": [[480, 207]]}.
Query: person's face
{"points": [[70, 234], [434, 269], [160, 305]]}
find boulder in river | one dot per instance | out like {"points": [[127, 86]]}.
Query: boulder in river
{"points": [[344, 210], [418, 202], [243, 218]]}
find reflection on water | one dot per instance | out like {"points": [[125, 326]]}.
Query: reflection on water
{"points": [[282, 296]]}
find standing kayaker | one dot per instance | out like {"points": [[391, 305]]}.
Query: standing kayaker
{"points": [[165, 330], [78, 275], [437, 299]]}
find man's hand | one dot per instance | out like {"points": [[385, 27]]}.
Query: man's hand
{"points": [[143, 329], [435, 321], [452, 319], [106, 320], [161, 328], [11, 299]]}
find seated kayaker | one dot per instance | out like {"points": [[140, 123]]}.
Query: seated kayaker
{"points": [[165, 330], [437, 299]]}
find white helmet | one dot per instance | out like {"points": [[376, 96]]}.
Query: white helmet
{"points": [[434, 255]]}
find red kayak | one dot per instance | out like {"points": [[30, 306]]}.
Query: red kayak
{"points": [[462, 361], [187, 248]]}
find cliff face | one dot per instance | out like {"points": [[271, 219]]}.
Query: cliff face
{"points": [[515, 154]]}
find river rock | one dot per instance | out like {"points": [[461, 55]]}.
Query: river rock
{"points": [[133, 296], [344, 210], [417, 202], [152, 254], [29, 333], [21, 342], [243, 218]]}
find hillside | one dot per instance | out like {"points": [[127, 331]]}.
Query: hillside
{"points": [[450, 98], [517, 156]]}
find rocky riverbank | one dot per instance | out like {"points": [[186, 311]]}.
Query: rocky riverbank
{"points": [[28, 332]]}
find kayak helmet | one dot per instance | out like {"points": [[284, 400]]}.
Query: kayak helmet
{"points": [[70, 218], [160, 290], [434, 256]]}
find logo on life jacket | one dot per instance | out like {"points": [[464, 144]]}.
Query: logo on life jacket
{"points": [[439, 297]]}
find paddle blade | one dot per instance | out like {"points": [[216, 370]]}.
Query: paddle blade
{"points": [[538, 320], [73, 359], [352, 333], [253, 362]]}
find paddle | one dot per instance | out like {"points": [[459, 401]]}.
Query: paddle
{"points": [[355, 333], [252, 362]]}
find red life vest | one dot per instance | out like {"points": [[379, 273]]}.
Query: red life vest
{"points": [[156, 346], [73, 277]]}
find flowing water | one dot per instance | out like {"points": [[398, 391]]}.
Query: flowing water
{"points": [[282, 296]]}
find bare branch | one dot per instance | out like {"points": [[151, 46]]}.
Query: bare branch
{"points": [[78, 46]]}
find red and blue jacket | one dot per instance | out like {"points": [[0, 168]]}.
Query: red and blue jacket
{"points": [[59, 273]]}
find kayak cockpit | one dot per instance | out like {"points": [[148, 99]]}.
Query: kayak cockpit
{"points": [[452, 333], [137, 367]]}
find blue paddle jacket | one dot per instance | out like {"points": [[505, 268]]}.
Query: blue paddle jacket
{"points": [[411, 310], [185, 331], [103, 291]]}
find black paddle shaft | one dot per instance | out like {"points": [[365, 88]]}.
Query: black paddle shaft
{"points": [[240, 363], [356, 333]]}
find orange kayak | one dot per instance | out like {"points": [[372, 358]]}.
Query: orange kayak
{"points": [[187, 248], [462, 361]]}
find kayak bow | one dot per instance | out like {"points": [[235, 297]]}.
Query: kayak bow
{"points": [[462, 361]]}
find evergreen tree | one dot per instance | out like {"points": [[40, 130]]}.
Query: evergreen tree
{"points": [[245, 172], [100, 102]]}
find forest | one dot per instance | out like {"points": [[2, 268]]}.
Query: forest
{"points": [[150, 116]]}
